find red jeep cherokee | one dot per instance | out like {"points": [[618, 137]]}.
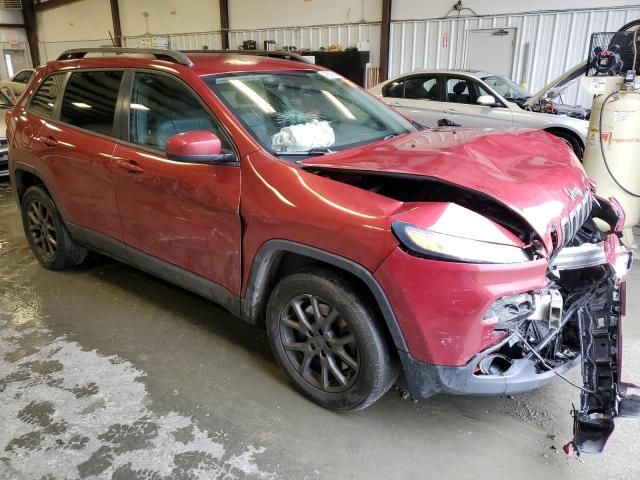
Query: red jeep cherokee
{"points": [[368, 245]]}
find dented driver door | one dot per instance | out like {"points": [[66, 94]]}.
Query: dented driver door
{"points": [[182, 214]]}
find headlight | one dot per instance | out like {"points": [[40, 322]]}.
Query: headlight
{"points": [[448, 247]]}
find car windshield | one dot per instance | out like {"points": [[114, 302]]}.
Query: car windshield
{"points": [[307, 112], [508, 89]]}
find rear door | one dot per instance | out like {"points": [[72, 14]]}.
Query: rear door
{"points": [[183, 214], [419, 97], [76, 147], [461, 105]]}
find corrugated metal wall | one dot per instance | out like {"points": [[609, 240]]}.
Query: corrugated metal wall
{"points": [[310, 37], [51, 50], [547, 43], [314, 37]]}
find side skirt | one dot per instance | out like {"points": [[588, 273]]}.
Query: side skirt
{"points": [[156, 267]]}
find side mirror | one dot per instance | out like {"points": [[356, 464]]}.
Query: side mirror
{"points": [[198, 146], [486, 100]]}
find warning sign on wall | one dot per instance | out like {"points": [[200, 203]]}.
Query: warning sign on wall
{"points": [[445, 39]]}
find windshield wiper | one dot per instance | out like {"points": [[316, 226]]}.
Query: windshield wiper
{"points": [[314, 152]]}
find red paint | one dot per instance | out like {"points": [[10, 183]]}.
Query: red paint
{"points": [[193, 144], [212, 219]]}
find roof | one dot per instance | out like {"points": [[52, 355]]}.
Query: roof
{"points": [[471, 73]]}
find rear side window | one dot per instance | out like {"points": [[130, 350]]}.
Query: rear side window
{"points": [[90, 100], [44, 100]]}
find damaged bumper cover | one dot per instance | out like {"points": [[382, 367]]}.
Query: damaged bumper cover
{"points": [[576, 319]]}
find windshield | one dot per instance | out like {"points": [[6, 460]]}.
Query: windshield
{"points": [[306, 111], [508, 89]]}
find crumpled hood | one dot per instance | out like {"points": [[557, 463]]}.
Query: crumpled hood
{"points": [[530, 172]]}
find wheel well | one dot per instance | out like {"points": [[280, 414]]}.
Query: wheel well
{"points": [[287, 263], [565, 131], [24, 180]]}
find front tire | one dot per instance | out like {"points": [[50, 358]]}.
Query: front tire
{"points": [[328, 341], [46, 233]]}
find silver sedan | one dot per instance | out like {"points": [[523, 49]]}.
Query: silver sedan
{"points": [[481, 99]]}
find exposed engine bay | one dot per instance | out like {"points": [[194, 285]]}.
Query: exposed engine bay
{"points": [[576, 318]]}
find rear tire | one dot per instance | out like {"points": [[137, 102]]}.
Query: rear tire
{"points": [[328, 341], [46, 233]]}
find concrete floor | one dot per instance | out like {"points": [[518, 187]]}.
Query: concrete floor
{"points": [[106, 372]]}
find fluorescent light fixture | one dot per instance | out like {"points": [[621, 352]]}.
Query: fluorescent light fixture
{"points": [[260, 102], [81, 105], [139, 106], [339, 105]]}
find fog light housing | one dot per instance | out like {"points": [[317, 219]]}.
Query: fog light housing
{"points": [[509, 311]]}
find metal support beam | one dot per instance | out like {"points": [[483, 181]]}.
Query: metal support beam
{"points": [[117, 28], [224, 23], [29, 14], [385, 38]]}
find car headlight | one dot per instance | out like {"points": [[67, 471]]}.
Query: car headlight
{"points": [[449, 247]]}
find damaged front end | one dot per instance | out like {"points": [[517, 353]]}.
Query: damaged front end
{"points": [[577, 317]]}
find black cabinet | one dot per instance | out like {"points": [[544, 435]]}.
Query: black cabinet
{"points": [[352, 64]]}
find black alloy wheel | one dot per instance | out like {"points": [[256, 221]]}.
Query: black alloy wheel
{"points": [[42, 230], [319, 343], [46, 233], [329, 342]]}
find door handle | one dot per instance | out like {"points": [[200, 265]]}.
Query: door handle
{"points": [[450, 110], [130, 166], [49, 141]]}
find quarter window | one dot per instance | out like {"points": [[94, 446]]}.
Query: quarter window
{"points": [[162, 107], [90, 100], [394, 90], [44, 100], [23, 76]]}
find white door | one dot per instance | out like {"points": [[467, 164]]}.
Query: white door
{"points": [[492, 50], [461, 107], [417, 97]]}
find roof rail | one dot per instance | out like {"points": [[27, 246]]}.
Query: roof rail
{"points": [[169, 55], [259, 53]]}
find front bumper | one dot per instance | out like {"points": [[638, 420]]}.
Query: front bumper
{"points": [[455, 349], [426, 380]]}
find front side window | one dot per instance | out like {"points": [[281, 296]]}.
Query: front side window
{"points": [[44, 100], [460, 90], [162, 107], [23, 76], [89, 100], [298, 111]]}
